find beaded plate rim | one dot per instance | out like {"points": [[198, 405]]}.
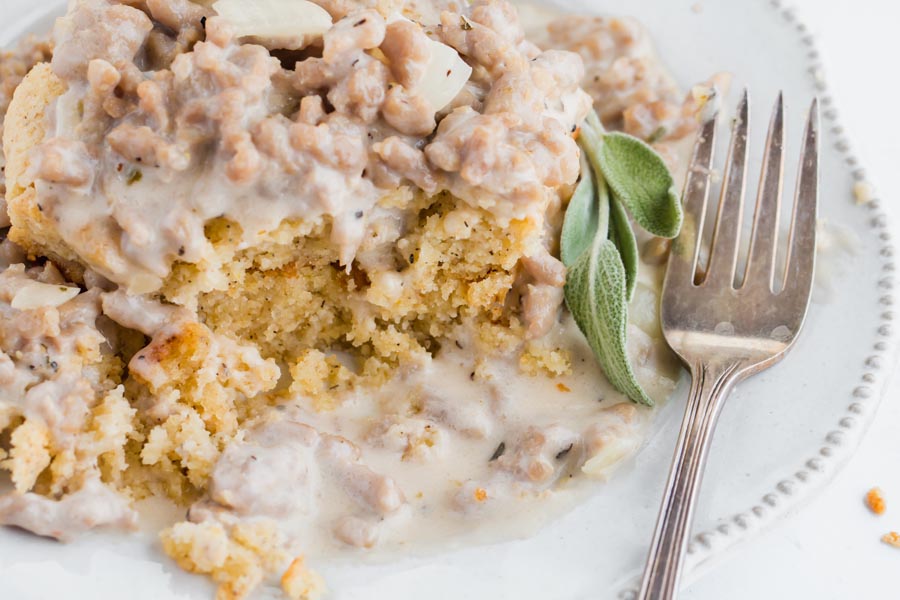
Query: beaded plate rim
{"points": [[837, 446]]}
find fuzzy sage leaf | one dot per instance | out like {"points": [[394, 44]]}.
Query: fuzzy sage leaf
{"points": [[637, 176], [596, 288], [598, 245], [622, 235], [640, 180], [596, 296], [583, 216]]}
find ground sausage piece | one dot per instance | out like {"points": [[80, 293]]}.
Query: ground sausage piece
{"points": [[377, 493], [94, 505], [621, 68], [102, 77], [152, 96], [671, 118], [374, 491], [542, 299], [10, 254], [545, 268], [279, 471], [407, 49], [64, 161], [116, 38], [618, 422], [501, 17], [536, 457], [486, 153], [489, 48], [407, 161], [312, 110], [357, 532], [143, 145], [611, 438], [540, 307], [470, 417], [408, 113], [344, 42], [273, 473], [362, 92], [177, 15]]}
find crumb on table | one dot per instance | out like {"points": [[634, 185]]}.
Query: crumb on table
{"points": [[891, 539], [875, 501]]}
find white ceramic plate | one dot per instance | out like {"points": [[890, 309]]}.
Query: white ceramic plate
{"points": [[781, 437]]}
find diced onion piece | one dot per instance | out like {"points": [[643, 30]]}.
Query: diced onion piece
{"points": [[35, 294], [68, 115], [143, 283], [288, 20], [617, 448], [445, 76], [708, 101]]}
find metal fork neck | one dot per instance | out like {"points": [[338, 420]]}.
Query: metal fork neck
{"points": [[711, 383]]}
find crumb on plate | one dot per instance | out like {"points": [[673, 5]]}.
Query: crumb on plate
{"points": [[863, 192], [301, 583], [237, 556]]}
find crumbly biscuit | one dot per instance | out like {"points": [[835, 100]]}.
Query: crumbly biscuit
{"points": [[25, 128]]}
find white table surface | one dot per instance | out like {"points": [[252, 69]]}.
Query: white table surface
{"points": [[829, 549]]}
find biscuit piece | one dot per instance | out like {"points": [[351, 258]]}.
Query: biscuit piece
{"points": [[25, 128]]}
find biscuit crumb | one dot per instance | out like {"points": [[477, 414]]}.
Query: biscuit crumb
{"points": [[237, 556], [481, 494], [875, 501], [891, 539], [863, 192], [537, 360], [301, 583]]}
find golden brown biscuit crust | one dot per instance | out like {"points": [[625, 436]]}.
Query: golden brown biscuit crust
{"points": [[25, 128]]}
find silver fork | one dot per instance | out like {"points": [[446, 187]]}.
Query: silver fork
{"points": [[725, 331]]}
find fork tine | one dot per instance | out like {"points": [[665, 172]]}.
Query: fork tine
{"points": [[761, 327], [801, 257], [686, 247], [764, 239], [723, 251]]}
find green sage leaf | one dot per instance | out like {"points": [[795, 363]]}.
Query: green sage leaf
{"points": [[584, 216], [640, 180], [598, 244], [595, 292], [622, 235]]}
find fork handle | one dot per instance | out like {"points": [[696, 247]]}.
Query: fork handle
{"points": [[710, 384]]}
